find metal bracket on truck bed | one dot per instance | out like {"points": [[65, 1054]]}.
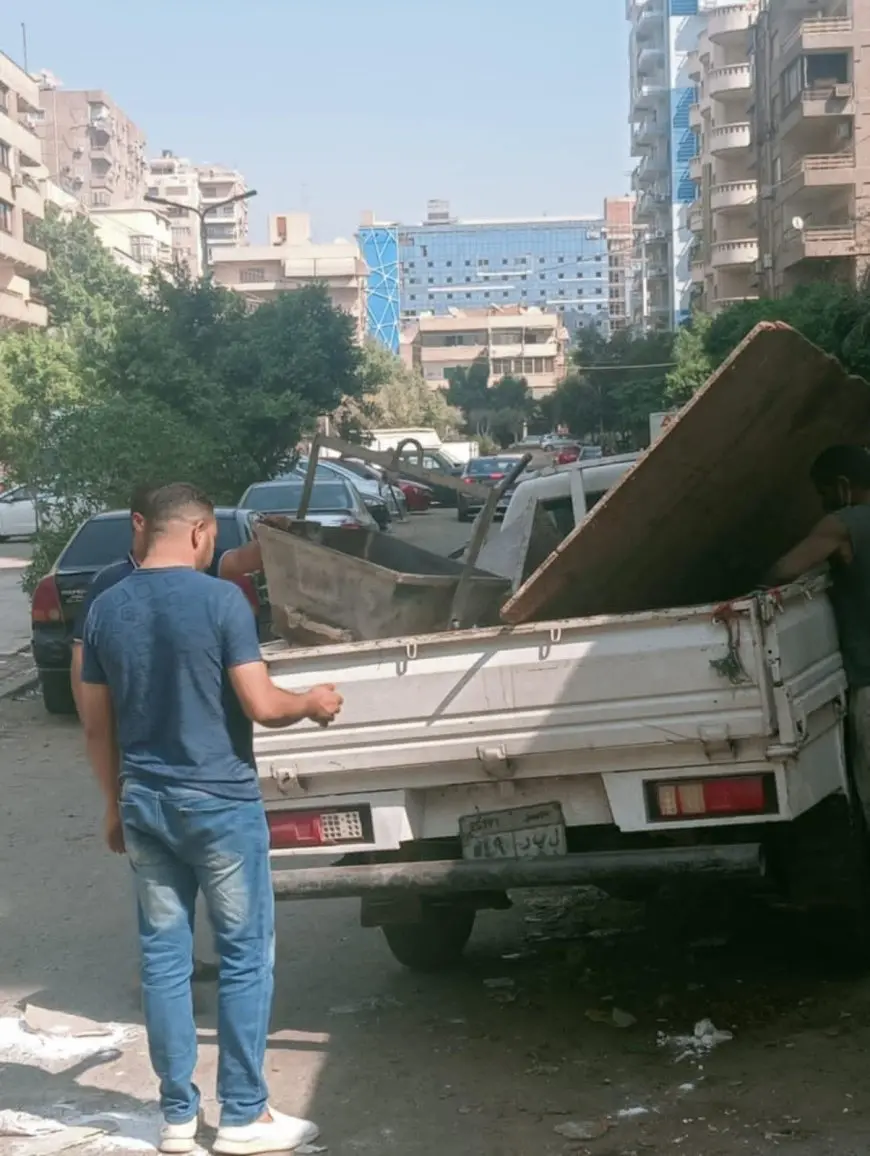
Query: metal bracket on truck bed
{"points": [[287, 780], [495, 762]]}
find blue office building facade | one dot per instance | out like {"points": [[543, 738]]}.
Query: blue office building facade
{"points": [[555, 264]]}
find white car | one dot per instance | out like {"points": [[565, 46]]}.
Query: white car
{"points": [[17, 513]]}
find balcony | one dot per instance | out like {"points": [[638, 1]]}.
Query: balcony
{"points": [[650, 169], [727, 254], [647, 97], [733, 195], [696, 272], [696, 218], [696, 168], [730, 138], [16, 310], [823, 243], [696, 118], [821, 36], [731, 82], [729, 23], [822, 171], [649, 21], [693, 65], [25, 259], [726, 302], [650, 60]]}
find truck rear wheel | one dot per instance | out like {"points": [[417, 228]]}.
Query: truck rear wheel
{"points": [[436, 942]]}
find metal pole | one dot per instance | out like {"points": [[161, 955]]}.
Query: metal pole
{"points": [[308, 484]]}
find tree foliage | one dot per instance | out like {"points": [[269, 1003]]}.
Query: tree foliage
{"points": [[613, 387], [176, 379], [397, 396], [693, 363]]}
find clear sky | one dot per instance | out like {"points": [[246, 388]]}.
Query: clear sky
{"points": [[503, 107]]}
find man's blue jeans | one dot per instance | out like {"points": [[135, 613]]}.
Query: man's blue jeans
{"points": [[179, 843]]}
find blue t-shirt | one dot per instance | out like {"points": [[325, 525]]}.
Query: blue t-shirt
{"points": [[163, 642], [117, 572]]}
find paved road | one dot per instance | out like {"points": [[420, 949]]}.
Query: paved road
{"points": [[490, 1060]]}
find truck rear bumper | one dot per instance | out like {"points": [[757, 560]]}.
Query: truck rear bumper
{"points": [[458, 875]]}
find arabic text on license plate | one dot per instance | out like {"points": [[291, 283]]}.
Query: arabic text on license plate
{"points": [[520, 833]]}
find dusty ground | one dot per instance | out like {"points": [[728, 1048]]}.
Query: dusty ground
{"points": [[388, 1062]]}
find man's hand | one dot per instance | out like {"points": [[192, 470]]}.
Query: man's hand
{"points": [[323, 703], [113, 830]]}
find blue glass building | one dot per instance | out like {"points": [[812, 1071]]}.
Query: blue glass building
{"points": [[554, 263], [379, 245]]}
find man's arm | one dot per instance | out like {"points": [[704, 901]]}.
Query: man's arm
{"points": [[270, 706], [827, 539], [261, 700], [240, 562], [98, 719]]}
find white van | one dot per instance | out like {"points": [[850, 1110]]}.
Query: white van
{"points": [[567, 492]]}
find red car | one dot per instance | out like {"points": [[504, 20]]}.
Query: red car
{"points": [[419, 498], [566, 454]]}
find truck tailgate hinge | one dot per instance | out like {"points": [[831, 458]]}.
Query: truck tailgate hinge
{"points": [[287, 780], [496, 762], [717, 743]]}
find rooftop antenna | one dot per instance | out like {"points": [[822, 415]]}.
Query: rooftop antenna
{"points": [[24, 45]]}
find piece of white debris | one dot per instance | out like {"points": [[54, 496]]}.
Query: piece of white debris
{"points": [[310, 1150], [583, 1129], [499, 983], [373, 1003], [19, 1044], [704, 1038], [631, 1113], [23, 1124], [48, 1022]]}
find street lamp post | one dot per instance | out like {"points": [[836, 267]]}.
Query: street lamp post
{"points": [[202, 214]]}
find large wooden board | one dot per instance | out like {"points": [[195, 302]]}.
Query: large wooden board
{"points": [[718, 498]]}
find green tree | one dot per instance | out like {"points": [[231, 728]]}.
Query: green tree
{"points": [[693, 363], [396, 396], [469, 387], [82, 286]]}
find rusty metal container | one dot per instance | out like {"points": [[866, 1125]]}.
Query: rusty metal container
{"points": [[329, 584]]}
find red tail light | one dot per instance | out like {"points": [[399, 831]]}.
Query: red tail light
{"points": [[468, 481], [350, 524], [247, 587], [496, 477], [291, 829], [46, 605], [713, 798]]}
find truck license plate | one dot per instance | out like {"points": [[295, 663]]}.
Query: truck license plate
{"points": [[520, 833]]}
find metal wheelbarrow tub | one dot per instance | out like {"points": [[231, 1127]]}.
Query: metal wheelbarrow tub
{"points": [[328, 584]]}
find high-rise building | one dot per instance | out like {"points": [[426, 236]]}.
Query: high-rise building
{"points": [[723, 215], [379, 245], [663, 34], [177, 179], [619, 233], [90, 146], [812, 134], [21, 197], [227, 226], [557, 264]]}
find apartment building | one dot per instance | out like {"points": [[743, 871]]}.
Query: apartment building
{"points": [[21, 197], [90, 146], [516, 340], [292, 260], [812, 131], [722, 217], [663, 35], [227, 226], [138, 236], [177, 179], [619, 235]]}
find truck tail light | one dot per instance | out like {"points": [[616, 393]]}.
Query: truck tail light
{"points": [[46, 605], [350, 524], [299, 829], [712, 798]]}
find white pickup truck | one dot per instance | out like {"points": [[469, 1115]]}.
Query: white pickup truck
{"points": [[693, 739]]}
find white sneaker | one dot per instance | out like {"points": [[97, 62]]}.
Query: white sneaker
{"points": [[179, 1137], [280, 1134]]}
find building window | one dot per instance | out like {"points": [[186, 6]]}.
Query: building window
{"points": [[486, 295], [467, 280], [449, 296], [4, 98], [520, 261], [504, 261], [254, 273], [539, 365], [5, 156], [483, 262], [468, 296], [99, 199], [431, 264], [505, 294], [561, 260], [411, 265], [5, 216], [449, 280], [561, 276], [467, 264], [449, 264], [413, 296]]}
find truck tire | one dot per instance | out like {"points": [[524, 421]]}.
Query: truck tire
{"points": [[434, 944], [57, 693]]}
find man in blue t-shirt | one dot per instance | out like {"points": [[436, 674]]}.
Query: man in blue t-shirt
{"points": [[159, 649]]}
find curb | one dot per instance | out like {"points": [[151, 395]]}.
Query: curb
{"points": [[20, 674]]}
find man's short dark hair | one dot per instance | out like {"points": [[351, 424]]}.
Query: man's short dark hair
{"points": [[140, 500], [178, 501], [849, 462]]}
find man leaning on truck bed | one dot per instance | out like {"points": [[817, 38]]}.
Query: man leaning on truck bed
{"points": [[841, 475]]}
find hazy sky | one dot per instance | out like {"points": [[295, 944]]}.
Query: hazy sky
{"points": [[505, 108]]}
